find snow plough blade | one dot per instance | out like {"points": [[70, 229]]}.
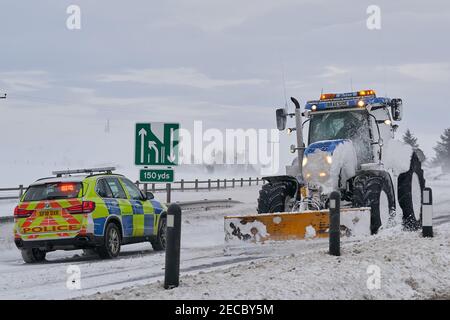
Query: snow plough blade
{"points": [[294, 225]]}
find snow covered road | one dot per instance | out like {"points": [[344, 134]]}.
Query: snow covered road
{"points": [[202, 255], [202, 249]]}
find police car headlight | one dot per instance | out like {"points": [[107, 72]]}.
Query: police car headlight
{"points": [[329, 159]]}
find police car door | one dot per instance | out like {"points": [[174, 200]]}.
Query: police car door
{"points": [[121, 202], [143, 213]]}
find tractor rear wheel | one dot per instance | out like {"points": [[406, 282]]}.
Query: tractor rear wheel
{"points": [[375, 191], [410, 187], [276, 197]]}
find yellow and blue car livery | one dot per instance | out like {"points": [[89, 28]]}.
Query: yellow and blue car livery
{"points": [[75, 212]]}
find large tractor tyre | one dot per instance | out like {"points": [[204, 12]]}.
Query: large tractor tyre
{"points": [[33, 255], [410, 188], [159, 243], [110, 247], [376, 192], [276, 197]]}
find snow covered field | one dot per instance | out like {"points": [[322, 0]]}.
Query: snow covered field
{"points": [[411, 267]]}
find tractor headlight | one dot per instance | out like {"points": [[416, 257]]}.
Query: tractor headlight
{"points": [[329, 159], [305, 161]]}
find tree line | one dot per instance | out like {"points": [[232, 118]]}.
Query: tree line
{"points": [[442, 148]]}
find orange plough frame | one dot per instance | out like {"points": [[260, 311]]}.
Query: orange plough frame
{"points": [[294, 225]]}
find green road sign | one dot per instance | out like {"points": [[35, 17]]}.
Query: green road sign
{"points": [[156, 175], [156, 144]]}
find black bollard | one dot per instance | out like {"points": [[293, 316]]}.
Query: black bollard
{"points": [[173, 239], [427, 213], [335, 222]]}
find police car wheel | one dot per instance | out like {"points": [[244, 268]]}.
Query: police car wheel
{"points": [[160, 243], [33, 255], [111, 242]]}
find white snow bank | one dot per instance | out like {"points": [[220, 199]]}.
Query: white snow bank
{"points": [[410, 268]]}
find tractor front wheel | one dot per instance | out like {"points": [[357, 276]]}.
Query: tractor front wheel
{"points": [[375, 191], [276, 197]]}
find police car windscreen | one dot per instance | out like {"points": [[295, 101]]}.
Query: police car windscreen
{"points": [[53, 191]]}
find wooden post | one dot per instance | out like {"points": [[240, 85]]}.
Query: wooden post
{"points": [[21, 191], [145, 188], [250, 181], [153, 187], [234, 182], [209, 184], [242, 182], [196, 184], [218, 184], [182, 185], [225, 183], [257, 180]]}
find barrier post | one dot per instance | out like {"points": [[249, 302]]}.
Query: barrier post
{"points": [[173, 240], [335, 222], [427, 213]]}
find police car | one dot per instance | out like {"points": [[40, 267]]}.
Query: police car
{"points": [[91, 209]]}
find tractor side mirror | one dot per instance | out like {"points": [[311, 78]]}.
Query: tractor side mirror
{"points": [[281, 119], [397, 109]]}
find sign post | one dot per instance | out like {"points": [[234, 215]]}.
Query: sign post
{"points": [[156, 145]]}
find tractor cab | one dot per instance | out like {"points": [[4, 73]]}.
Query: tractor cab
{"points": [[360, 117]]}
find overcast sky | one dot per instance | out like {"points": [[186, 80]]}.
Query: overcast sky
{"points": [[220, 61]]}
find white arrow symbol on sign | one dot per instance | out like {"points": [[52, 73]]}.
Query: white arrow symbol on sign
{"points": [[142, 133], [152, 145], [171, 157]]}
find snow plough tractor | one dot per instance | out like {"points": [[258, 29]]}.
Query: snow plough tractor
{"points": [[351, 149]]}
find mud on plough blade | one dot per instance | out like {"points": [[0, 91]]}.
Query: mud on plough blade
{"points": [[294, 225]]}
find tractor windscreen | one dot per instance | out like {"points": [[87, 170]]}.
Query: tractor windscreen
{"points": [[351, 125]]}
